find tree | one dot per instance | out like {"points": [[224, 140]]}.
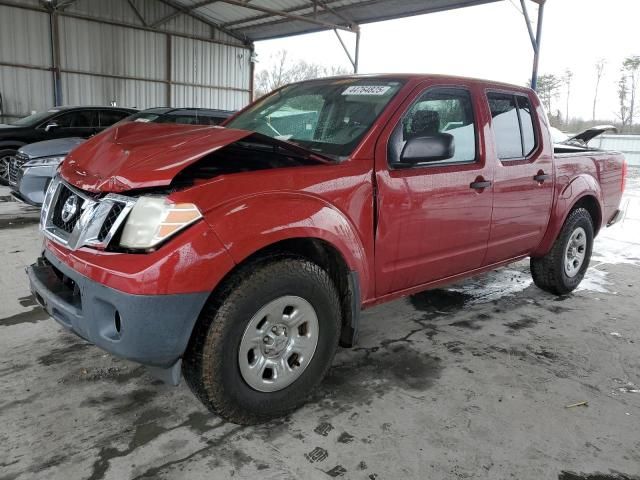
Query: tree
{"points": [[568, 76], [281, 72], [623, 98], [631, 66], [548, 89], [599, 71]]}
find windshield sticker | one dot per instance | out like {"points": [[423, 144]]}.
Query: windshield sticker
{"points": [[366, 90]]}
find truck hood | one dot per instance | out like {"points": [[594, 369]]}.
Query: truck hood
{"points": [[137, 155], [51, 148], [583, 138]]}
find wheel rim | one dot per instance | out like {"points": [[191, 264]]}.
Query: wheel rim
{"points": [[4, 167], [575, 252], [278, 344]]}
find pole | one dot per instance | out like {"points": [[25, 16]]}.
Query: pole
{"points": [[357, 54], [536, 55]]}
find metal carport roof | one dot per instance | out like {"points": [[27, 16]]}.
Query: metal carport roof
{"points": [[265, 19]]}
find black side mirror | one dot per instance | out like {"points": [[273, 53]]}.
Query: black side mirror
{"points": [[427, 149]]}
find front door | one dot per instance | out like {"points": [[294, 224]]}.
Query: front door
{"points": [[433, 218]]}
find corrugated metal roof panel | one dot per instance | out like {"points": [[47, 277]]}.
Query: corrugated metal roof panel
{"points": [[188, 96], [18, 87], [249, 21], [206, 63], [91, 90], [24, 37], [111, 50]]}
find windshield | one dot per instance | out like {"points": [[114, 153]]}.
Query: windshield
{"points": [[182, 116], [329, 116], [33, 119]]}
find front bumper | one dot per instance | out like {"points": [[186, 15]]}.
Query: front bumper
{"points": [[150, 329], [32, 182]]}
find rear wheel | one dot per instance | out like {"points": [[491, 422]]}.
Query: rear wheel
{"points": [[562, 269], [265, 342], [5, 157]]}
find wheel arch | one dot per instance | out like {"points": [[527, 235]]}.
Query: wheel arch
{"points": [[582, 191]]}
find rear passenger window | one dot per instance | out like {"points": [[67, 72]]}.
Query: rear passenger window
{"points": [[526, 120], [512, 124], [438, 110], [109, 117]]}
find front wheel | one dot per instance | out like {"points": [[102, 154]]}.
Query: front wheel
{"points": [[265, 341], [562, 269], [5, 159]]}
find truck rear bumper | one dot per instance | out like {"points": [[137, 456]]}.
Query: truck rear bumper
{"points": [[150, 329], [617, 216]]}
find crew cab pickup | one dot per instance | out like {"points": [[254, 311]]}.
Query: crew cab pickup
{"points": [[241, 256]]}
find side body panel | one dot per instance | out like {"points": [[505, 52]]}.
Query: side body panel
{"points": [[521, 205], [580, 175]]}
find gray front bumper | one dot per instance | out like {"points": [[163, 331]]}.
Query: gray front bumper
{"points": [[150, 329], [32, 183]]}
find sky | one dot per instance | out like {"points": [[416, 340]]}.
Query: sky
{"points": [[491, 41]]}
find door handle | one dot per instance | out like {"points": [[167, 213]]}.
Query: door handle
{"points": [[541, 177], [480, 185]]}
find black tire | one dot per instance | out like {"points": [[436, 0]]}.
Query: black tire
{"points": [[548, 272], [4, 166], [210, 364]]}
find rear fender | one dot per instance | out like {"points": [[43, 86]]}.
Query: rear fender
{"points": [[568, 195], [249, 224]]}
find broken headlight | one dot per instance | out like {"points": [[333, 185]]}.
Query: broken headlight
{"points": [[154, 219]]}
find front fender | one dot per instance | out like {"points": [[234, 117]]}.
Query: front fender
{"points": [[568, 194], [249, 224]]}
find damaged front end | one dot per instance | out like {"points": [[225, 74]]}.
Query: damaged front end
{"points": [[90, 204]]}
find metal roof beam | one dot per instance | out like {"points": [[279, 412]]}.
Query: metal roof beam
{"points": [[137, 12], [313, 5], [187, 11], [280, 13], [177, 13]]}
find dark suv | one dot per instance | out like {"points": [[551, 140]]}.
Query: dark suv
{"points": [[59, 122]]}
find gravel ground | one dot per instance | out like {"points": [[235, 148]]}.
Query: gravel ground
{"points": [[469, 382]]}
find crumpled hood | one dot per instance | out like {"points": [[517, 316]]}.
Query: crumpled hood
{"points": [[136, 155]]}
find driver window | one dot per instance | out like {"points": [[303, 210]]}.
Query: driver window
{"points": [[439, 110], [78, 119]]}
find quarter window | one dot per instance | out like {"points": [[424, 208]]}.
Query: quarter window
{"points": [[439, 110], [512, 125]]}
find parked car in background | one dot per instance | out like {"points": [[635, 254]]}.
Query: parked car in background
{"points": [[240, 257], [32, 168], [187, 116], [58, 122]]}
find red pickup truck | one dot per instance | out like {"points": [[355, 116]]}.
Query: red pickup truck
{"points": [[241, 257]]}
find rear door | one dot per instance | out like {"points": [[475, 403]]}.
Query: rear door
{"points": [[524, 177], [76, 123], [433, 219]]}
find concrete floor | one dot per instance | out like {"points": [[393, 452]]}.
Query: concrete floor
{"points": [[469, 382]]}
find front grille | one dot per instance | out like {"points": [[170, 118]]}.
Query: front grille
{"points": [[60, 218], [113, 215], [102, 216], [15, 164]]}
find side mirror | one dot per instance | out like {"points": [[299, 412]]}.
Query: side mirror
{"points": [[51, 126], [427, 149]]}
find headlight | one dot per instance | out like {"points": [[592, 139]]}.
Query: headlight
{"points": [[154, 219], [46, 161]]}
